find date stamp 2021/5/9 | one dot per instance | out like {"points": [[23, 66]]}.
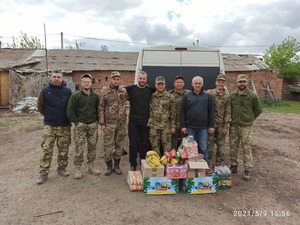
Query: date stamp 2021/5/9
{"points": [[261, 213]]}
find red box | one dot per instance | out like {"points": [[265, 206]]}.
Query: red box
{"points": [[176, 171]]}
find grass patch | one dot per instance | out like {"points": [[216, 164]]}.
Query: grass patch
{"points": [[281, 106]]}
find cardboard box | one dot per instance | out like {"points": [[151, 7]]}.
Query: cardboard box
{"points": [[199, 185], [197, 169], [135, 180], [160, 186], [176, 171], [148, 171]]}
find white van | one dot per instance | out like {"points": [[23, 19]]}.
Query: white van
{"points": [[187, 61]]}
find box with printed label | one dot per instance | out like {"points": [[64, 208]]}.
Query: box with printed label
{"points": [[148, 171], [197, 169], [176, 171], [200, 185], [160, 186], [135, 180]]}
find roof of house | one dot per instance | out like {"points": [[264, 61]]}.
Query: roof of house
{"points": [[30, 60]]}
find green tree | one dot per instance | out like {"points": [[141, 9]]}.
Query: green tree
{"points": [[104, 48], [25, 41], [285, 57]]}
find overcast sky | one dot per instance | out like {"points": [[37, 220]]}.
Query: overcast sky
{"points": [[234, 26]]}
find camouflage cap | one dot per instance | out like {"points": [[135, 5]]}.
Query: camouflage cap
{"points": [[242, 77], [115, 74], [87, 75], [221, 77], [160, 79]]}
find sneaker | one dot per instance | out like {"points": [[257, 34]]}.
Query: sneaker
{"points": [[42, 177], [247, 175], [62, 172], [233, 169]]}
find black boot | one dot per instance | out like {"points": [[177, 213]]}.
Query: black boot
{"points": [[108, 171], [117, 169]]}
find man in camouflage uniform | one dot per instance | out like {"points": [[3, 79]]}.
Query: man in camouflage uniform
{"points": [[245, 108], [162, 117], [222, 107], [113, 116], [52, 104], [178, 92], [82, 111]]}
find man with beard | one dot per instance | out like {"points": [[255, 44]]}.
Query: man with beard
{"points": [[112, 119], [245, 108], [82, 111], [139, 97]]}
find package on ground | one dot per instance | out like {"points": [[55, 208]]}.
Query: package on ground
{"points": [[224, 174], [199, 185], [160, 185], [189, 145], [195, 158], [176, 171], [135, 180], [197, 169], [148, 171]]}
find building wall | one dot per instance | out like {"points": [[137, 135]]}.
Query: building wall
{"points": [[258, 78], [102, 78]]}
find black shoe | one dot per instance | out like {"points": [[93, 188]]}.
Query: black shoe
{"points": [[233, 169], [42, 177], [62, 172], [247, 175], [133, 168]]}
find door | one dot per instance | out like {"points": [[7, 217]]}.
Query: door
{"points": [[4, 88]]}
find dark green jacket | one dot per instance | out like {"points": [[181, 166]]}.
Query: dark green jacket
{"points": [[244, 108], [83, 108]]}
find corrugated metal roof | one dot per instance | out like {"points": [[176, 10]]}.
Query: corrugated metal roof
{"points": [[89, 60], [243, 62], [10, 58]]}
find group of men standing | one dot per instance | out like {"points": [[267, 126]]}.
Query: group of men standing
{"points": [[158, 120]]}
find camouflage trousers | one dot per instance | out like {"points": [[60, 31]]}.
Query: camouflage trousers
{"points": [[62, 136], [243, 135], [216, 154], [160, 137], [176, 138], [85, 132], [114, 138]]}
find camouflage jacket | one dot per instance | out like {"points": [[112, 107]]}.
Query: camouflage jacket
{"points": [[162, 110], [112, 105], [178, 99], [222, 108]]}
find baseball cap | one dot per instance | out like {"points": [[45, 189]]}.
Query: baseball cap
{"points": [[221, 77], [87, 75], [179, 77], [242, 77], [160, 79], [115, 74]]}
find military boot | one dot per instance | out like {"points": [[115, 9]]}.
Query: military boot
{"points": [[247, 175], [78, 173], [43, 176], [233, 169], [109, 169], [117, 169], [92, 170], [62, 172]]}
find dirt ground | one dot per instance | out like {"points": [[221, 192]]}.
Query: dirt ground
{"points": [[271, 197]]}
